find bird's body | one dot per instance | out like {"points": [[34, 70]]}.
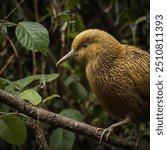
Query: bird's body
{"points": [[118, 74], [122, 85]]}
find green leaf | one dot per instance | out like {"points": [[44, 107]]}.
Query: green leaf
{"points": [[32, 96], [12, 90], [70, 4], [79, 90], [4, 82], [9, 87], [3, 34], [64, 17], [16, 87], [33, 36], [22, 83], [61, 139], [72, 113], [79, 23], [12, 130], [50, 97], [69, 80]]}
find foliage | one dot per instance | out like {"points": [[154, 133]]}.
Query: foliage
{"points": [[13, 130], [64, 139], [33, 36]]}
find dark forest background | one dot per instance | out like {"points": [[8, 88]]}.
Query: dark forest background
{"points": [[69, 94]]}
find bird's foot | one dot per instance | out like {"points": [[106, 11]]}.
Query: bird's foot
{"points": [[107, 131]]}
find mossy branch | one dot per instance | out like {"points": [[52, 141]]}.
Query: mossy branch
{"points": [[54, 119]]}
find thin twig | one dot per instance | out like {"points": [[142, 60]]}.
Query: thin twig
{"points": [[13, 46], [34, 63], [36, 10], [54, 17], [8, 62], [14, 9], [40, 139]]}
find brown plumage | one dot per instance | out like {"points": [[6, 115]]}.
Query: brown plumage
{"points": [[118, 74]]}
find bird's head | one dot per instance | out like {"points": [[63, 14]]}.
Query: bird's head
{"points": [[90, 44]]}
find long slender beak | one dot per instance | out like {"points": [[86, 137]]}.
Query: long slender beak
{"points": [[68, 56]]}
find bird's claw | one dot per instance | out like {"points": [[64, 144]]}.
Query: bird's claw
{"points": [[104, 131]]}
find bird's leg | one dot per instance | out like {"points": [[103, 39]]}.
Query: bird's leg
{"points": [[110, 128]]}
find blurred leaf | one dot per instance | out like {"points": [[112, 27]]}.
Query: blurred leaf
{"points": [[66, 65], [72, 34], [4, 108], [70, 4], [50, 97], [22, 83], [32, 96], [17, 86], [72, 113], [12, 90], [12, 130], [33, 36], [123, 18], [3, 34], [141, 19], [79, 90], [69, 80], [63, 28], [58, 105], [79, 23], [101, 120], [65, 18], [61, 139], [4, 82], [9, 87]]}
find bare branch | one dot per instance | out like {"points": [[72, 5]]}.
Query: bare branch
{"points": [[66, 123]]}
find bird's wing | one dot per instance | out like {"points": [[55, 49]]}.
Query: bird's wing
{"points": [[138, 69]]}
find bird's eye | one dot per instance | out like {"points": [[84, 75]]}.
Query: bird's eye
{"points": [[85, 45]]}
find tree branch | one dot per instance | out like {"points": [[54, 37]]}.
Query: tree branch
{"points": [[66, 123]]}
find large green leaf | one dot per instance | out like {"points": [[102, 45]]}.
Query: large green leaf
{"points": [[22, 83], [33, 36], [12, 130], [61, 139], [19, 85], [72, 113], [32, 96]]}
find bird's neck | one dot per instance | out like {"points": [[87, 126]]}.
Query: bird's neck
{"points": [[99, 68]]}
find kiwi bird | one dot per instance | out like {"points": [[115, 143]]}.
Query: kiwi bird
{"points": [[118, 74]]}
